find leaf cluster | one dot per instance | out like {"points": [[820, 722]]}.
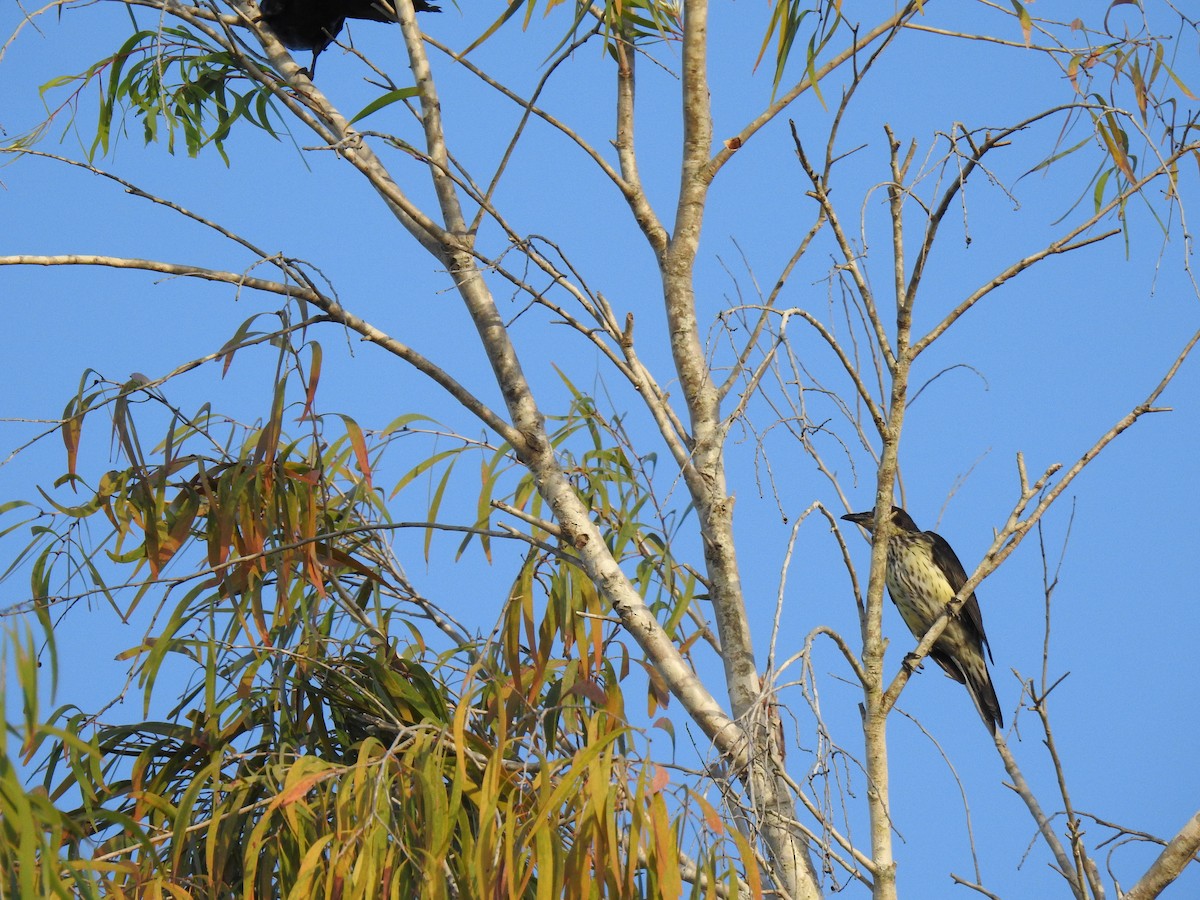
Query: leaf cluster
{"points": [[178, 85], [320, 745]]}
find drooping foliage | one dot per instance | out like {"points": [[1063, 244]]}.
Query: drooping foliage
{"points": [[336, 734], [299, 720]]}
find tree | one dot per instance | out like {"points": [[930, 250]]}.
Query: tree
{"points": [[548, 440]]}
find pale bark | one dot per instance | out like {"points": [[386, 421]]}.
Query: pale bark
{"points": [[1176, 856]]}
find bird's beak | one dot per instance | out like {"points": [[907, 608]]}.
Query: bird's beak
{"points": [[865, 519]]}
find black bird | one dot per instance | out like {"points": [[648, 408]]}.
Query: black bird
{"points": [[313, 24], [923, 575]]}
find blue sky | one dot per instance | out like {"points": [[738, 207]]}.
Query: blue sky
{"points": [[1055, 358]]}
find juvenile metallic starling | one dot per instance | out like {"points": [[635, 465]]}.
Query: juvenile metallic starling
{"points": [[313, 24], [923, 575]]}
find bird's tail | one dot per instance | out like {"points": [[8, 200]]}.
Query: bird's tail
{"points": [[979, 686]]}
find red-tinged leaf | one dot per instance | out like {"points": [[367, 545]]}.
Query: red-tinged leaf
{"points": [[256, 608], [240, 338], [313, 569], [153, 549], [1026, 22], [310, 477], [1115, 150], [267, 447], [221, 537], [313, 572], [72, 427], [314, 376], [589, 689], [711, 818], [178, 532], [359, 443], [299, 790], [660, 780], [657, 694]]}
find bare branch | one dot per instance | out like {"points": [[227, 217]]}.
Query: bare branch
{"points": [[1179, 852], [884, 29], [1022, 789], [760, 324], [330, 307], [1070, 241], [850, 256], [864, 394], [1015, 529], [979, 888], [635, 194]]}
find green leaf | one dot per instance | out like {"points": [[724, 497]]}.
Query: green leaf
{"points": [[1026, 22], [384, 100]]}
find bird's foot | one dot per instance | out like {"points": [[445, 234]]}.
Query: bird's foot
{"points": [[912, 663]]}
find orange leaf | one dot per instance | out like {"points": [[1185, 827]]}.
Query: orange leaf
{"points": [[314, 376], [297, 791], [71, 429], [359, 443], [711, 818], [661, 779]]}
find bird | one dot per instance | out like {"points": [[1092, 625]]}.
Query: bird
{"points": [[313, 24], [923, 575]]}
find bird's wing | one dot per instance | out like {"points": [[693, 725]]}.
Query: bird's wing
{"points": [[380, 10], [945, 559], [367, 9]]}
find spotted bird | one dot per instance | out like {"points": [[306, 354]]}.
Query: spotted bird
{"points": [[923, 575]]}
